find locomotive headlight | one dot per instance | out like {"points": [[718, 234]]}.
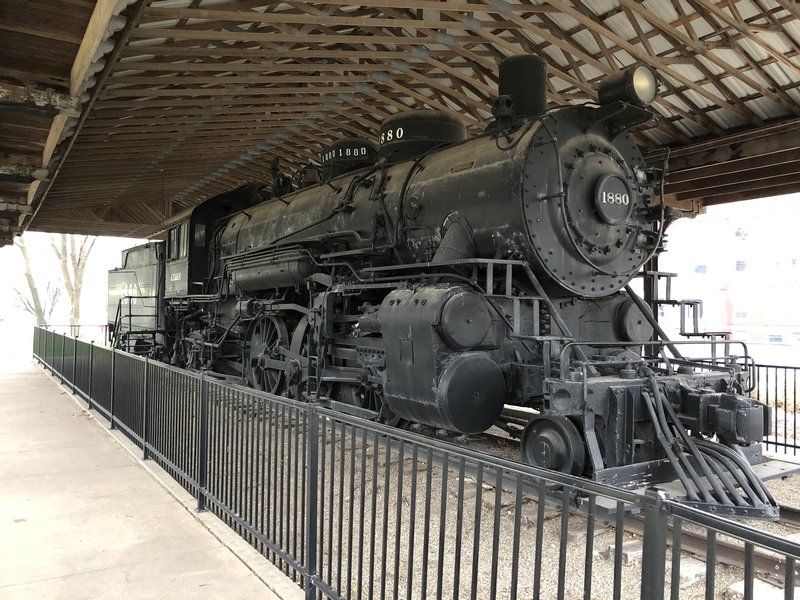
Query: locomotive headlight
{"points": [[637, 85]]}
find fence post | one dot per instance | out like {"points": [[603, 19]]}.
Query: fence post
{"points": [[202, 440], [311, 508], [74, 361], [53, 353], [145, 451], [91, 376], [654, 548], [63, 351], [113, 384]]}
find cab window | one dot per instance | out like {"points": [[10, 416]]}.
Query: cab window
{"points": [[183, 239], [179, 241], [200, 234]]}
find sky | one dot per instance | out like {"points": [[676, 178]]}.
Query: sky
{"points": [[742, 260], [16, 326]]}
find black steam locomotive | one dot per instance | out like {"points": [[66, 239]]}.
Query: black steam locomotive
{"points": [[439, 280]]}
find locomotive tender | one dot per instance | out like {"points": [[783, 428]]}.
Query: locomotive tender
{"points": [[437, 280]]}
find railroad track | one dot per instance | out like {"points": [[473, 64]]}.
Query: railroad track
{"points": [[767, 566]]}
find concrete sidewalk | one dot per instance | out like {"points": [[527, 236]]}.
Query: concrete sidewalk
{"points": [[81, 517]]}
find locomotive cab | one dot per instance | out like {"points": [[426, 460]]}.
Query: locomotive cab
{"points": [[177, 260], [190, 267]]}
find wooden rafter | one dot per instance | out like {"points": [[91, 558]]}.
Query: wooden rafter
{"points": [[203, 95]]}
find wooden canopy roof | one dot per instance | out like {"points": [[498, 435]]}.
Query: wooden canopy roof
{"points": [[159, 104]]}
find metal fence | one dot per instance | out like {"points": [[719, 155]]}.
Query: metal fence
{"points": [[777, 386], [353, 509]]}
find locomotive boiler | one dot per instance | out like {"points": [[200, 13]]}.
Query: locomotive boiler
{"points": [[439, 280]]}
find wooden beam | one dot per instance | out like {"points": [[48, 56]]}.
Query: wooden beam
{"points": [[744, 173], [754, 194], [135, 14], [7, 208], [96, 33], [748, 144], [671, 32], [591, 23], [22, 174], [224, 50], [45, 99], [235, 93], [293, 18], [28, 159], [730, 168], [53, 138], [50, 34], [750, 36], [738, 187], [281, 38]]}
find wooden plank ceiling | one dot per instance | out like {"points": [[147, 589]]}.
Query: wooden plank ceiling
{"points": [[190, 98]]}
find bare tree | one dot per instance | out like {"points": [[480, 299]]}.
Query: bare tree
{"points": [[72, 252], [41, 307]]}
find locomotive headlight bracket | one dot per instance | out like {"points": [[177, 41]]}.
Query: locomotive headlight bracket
{"points": [[624, 98], [637, 85]]}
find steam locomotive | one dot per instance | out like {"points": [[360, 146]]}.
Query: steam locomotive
{"points": [[442, 280]]}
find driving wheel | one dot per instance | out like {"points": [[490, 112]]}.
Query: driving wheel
{"points": [[265, 362], [554, 443]]}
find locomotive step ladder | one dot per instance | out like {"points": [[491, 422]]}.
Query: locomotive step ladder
{"points": [[127, 334]]}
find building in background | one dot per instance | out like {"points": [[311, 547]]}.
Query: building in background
{"points": [[743, 261]]}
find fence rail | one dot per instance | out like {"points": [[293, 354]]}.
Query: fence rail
{"points": [[97, 334], [353, 509]]}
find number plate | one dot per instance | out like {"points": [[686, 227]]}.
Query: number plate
{"points": [[613, 199]]}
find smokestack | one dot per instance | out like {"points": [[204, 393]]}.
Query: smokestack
{"points": [[523, 81]]}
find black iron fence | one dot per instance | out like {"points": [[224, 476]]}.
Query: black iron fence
{"points": [[777, 387], [352, 509]]}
